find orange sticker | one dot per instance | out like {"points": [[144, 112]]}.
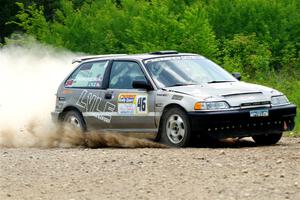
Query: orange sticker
{"points": [[67, 91]]}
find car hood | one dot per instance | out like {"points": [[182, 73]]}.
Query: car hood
{"points": [[235, 93]]}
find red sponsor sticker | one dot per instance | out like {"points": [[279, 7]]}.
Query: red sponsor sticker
{"points": [[69, 83]]}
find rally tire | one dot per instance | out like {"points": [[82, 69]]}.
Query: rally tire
{"points": [[175, 128], [75, 120], [267, 139]]}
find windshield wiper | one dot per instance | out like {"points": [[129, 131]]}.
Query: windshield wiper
{"points": [[219, 82], [181, 84]]}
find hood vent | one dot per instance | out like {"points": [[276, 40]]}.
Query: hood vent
{"points": [[240, 94]]}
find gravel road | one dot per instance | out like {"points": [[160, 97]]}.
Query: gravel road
{"points": [[227, 171]]}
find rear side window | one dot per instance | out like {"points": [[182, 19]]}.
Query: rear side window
{"points": [[88, 75]]}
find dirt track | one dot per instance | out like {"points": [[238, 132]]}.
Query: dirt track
{"points": [[238, 171]]}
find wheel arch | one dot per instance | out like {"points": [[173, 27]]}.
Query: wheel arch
{"points": [[165, 109], [69, 108]]}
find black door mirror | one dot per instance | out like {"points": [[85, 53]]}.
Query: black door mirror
{"points": [[141, 84], [237, 75]]}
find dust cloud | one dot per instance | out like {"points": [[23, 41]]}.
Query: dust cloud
{"points": [[29, 76], [39, 135]]}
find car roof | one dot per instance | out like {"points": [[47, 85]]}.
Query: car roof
{"points": [[159, 54]]}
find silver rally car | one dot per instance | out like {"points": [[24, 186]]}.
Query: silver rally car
{"points": [[171, 97]]}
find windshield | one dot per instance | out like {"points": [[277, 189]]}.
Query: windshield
{"points": [[186, 70]]}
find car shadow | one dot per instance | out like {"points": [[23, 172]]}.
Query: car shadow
{"points": [[223, 143]]}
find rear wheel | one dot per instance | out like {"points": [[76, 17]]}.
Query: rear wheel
{"points": [[75, 120], [267, 139], [175, 129]]}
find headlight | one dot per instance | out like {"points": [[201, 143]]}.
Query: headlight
{"points": [[219, 105], [279, 100]]}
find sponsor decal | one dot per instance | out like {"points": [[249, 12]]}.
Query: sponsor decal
{"points": [[126, 98], [162, 94], [177, 97], [69, 83], [67, 91], [174, 58], [92, 103], [132, 104]]}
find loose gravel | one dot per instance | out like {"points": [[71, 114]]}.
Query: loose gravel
{"points": [[237, 170]]}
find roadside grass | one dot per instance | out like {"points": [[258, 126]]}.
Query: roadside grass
{"points": [[285, 82], [293, 133], [297, 129]]}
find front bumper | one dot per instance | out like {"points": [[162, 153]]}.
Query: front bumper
{"points": [[238, 123]]}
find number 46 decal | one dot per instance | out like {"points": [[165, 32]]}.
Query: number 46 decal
{"points": [[141, 104]]}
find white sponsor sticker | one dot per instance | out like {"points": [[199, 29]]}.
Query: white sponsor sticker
{"points": [[190, 57], [126, 108]]}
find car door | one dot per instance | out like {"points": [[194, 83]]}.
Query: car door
{"points": [[83, 89], [134, 107]]}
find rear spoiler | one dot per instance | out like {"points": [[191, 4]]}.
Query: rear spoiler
{"points": [[80, 59]]}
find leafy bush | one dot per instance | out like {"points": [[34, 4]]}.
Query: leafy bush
{"points": [[284, 81], [246, 54], [276, 22], [101, 27]]}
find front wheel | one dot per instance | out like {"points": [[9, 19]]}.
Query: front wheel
{"points": [[267, 139], [175, 130]]}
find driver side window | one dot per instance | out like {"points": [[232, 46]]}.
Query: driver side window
{"points": [[123, 73]]}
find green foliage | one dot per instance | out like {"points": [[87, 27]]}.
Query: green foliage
{"points": [[33, 20], [284, 81], [246, 54], [138, 26], [9, 9], [276, 22], [259, 38]]}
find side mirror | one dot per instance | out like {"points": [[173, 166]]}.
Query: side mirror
{"points": [[237, 75], [140, 84]]}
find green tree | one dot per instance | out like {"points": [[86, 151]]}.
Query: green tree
{"points": [[136, 26], [276, 22], [9, 9], [246, 54]]}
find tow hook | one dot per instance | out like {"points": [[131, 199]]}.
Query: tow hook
{"points": [[285, 126]]}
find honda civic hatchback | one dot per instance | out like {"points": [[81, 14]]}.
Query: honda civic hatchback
{"points": [[170, 97]]}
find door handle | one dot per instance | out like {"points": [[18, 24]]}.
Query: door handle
{"points": [[108, 95]]}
